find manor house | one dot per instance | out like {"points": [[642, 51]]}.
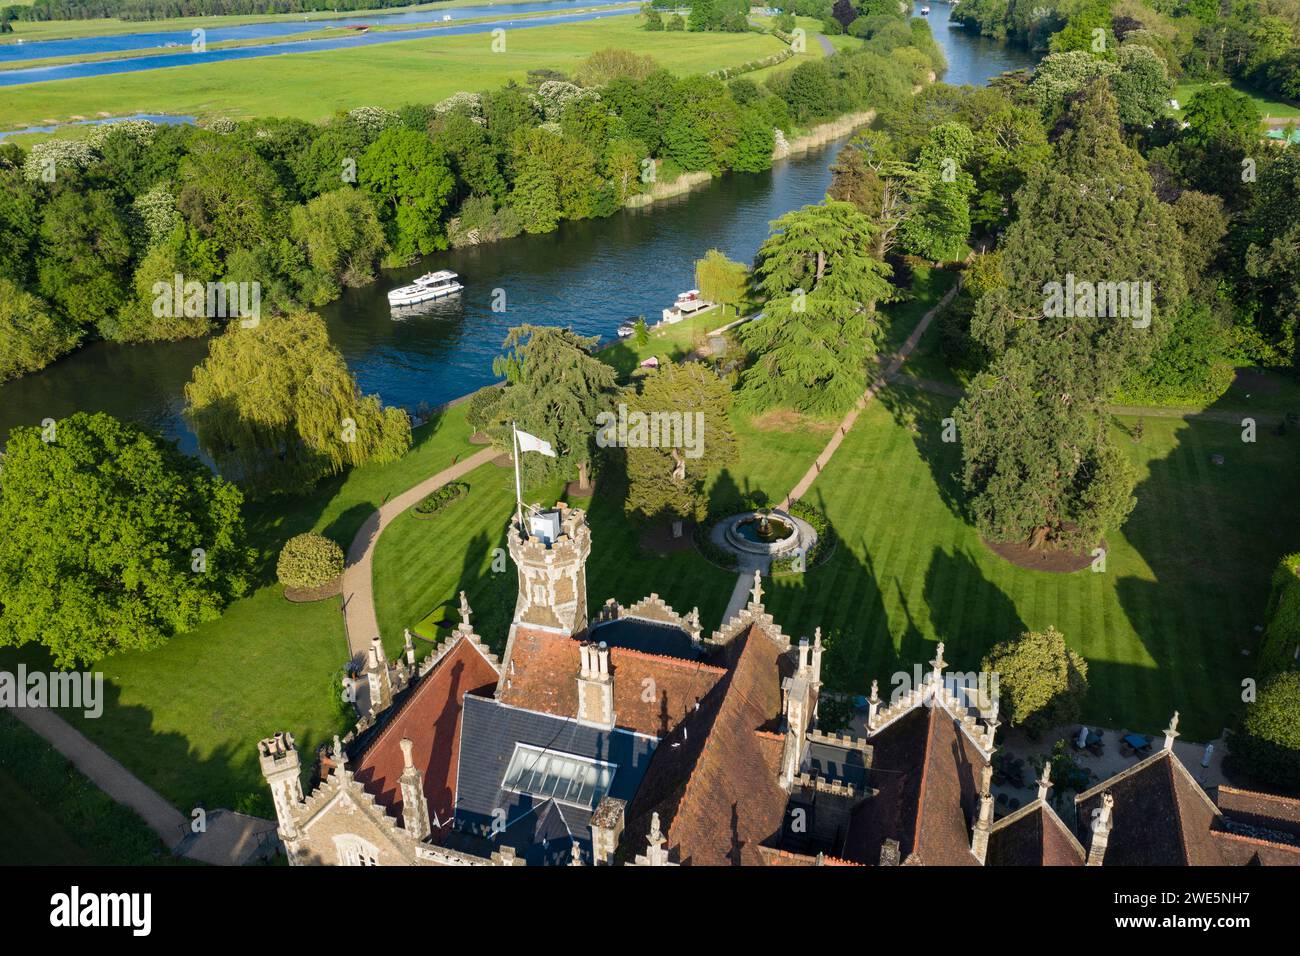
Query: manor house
{"points": [[633, 738]]}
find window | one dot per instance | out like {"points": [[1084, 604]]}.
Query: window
{"points": [[354, 851], [569, 779]]}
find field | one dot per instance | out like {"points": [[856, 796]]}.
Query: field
{"points": [[313, 86]]}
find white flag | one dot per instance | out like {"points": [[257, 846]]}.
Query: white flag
{"points": [[529, 442]]}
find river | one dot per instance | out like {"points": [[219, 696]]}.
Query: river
{"points": [[591, 275], [186, 57]]}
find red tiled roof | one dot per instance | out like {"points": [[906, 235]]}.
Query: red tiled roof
{"points": [[430, 717], [714, 780], [1033, 836], [1268, 810], [1161, 818], [545, 679], [926, 773]]}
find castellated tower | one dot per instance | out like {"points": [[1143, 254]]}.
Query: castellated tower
{"points": [[552, 560], [550, 552]]}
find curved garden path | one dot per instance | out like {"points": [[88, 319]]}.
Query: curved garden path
{"points": [[358, 576]]}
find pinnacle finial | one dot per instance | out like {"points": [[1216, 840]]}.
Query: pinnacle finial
{"points": [[875, 692], [817, 636], [656, 836], [1045, 781], [756, 593], [576, 852], [464, 609], [340, 756], [939, 663]]}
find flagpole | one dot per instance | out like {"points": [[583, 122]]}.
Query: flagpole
{"points": [[519, 494]]}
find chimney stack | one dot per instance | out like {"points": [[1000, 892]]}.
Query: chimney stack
{"points": [[595, 686], [415, 808]]}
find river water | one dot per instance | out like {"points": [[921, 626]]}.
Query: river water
{"points": [[590, 275], [151, 39]]}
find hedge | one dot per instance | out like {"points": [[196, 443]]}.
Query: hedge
{"points": [[435, 501], [1277, 650]]}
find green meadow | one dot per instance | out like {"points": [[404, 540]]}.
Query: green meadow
{"points": [[313, 86]]}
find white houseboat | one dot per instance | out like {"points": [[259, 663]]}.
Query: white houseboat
{"points": [[687, 304], [434, 285]]}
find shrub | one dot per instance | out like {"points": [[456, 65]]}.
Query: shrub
{"points": [[819, 551], [309, 560], [435, 501], [1268, 745]]}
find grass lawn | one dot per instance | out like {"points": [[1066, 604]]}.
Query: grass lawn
{"points": [[313, 86], [1267, 106], [1162, 628], [185, 718], [52, 815]]}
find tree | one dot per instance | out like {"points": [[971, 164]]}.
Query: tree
{"points": [[1268, 745], [721, 280], [31, 335], [667, 481], [1039, 466], [277, 409], [820, 285], [19, 226], [1041, 680], [84, 254], [410, 184], [114, 540], [939, 223], [229, 193], [1271, 235], [555, 388], [342, 239]]}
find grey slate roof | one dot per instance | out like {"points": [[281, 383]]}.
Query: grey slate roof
{"points": [[649, 637], [539, 830]]}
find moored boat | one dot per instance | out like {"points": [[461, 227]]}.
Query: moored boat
{"points": [[432, 285], [688, 303]]}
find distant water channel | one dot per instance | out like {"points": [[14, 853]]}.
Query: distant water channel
{"points": [[590, 275]]}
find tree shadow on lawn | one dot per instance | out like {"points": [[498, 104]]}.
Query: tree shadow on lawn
{"points": [[968, 612], [923, 414], [1210, 535], [491, 595]]}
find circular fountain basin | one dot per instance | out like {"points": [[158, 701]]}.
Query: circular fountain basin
{"points": [[766, 533]]}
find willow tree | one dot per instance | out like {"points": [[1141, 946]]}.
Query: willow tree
{"points": [[666, 477], [820, 285], [555, 388], [721, 280], [1038, 462], [277, 409]]}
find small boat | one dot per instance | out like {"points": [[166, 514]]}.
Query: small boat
{"points": [[925, 11], [433, 285], [626, 330], [688, 303]]}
